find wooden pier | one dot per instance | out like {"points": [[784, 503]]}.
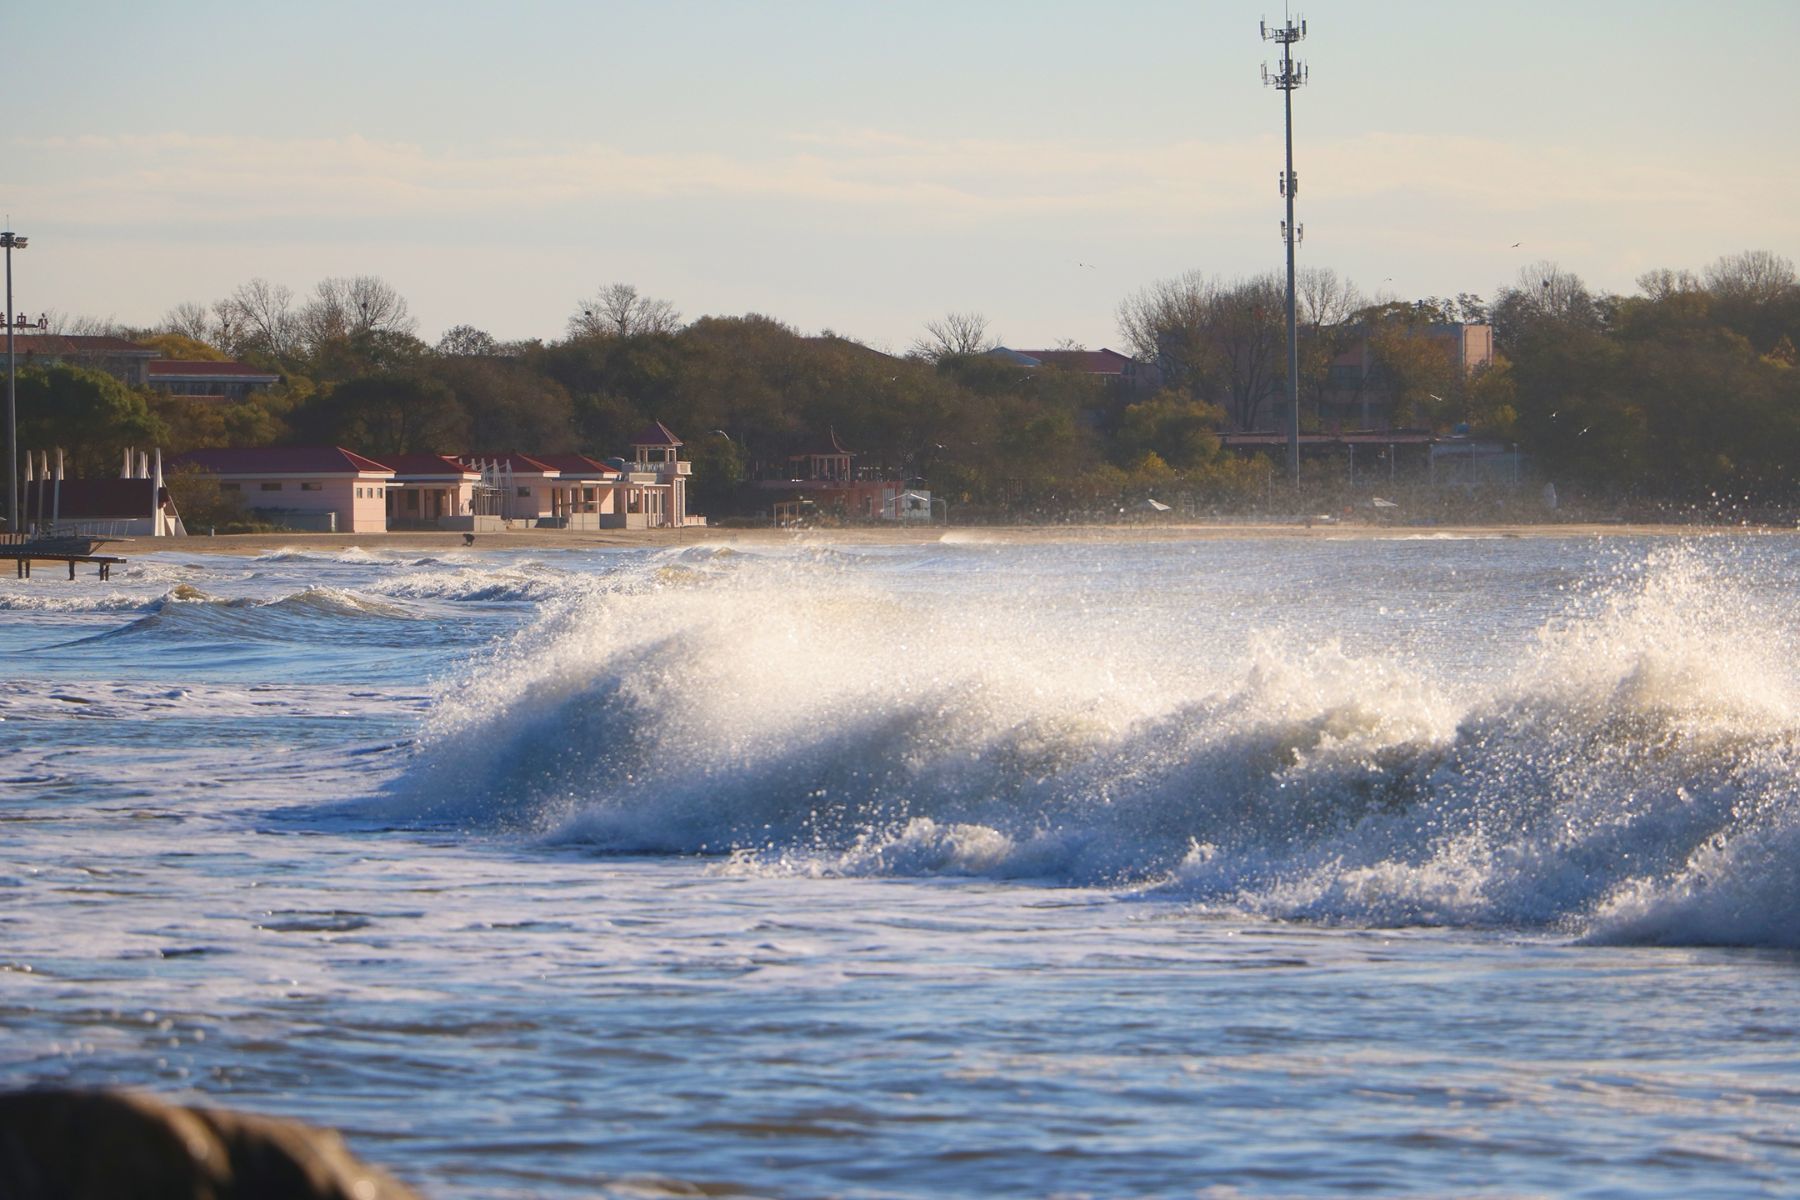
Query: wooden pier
{"points": [[71, 550]]}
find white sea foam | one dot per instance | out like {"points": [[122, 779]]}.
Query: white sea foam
{"points": [[46, 602], [1633, 778], [352, 555]]}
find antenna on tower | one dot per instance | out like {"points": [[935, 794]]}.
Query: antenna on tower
{"points": [[1288, 75]]}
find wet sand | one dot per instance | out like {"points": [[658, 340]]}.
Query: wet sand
{"points": [[555, 539]]}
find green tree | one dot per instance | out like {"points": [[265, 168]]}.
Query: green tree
{"points": [[385, 414], [183, 348], [89, 414], [505, 405], [1179, 430]]}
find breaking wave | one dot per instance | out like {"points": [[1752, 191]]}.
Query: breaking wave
{"points": [[187, 613], [110, 602], [526, 583], [1632, 779]]}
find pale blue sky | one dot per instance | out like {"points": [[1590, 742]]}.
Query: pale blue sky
{"points": [[868, 167]]}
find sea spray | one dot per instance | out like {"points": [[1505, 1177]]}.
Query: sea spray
{"points": [[797, 719]]}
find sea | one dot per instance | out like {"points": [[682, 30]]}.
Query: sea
{"points": [[1299, 866]]}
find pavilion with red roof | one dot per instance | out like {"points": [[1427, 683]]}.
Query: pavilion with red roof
{"points": [[326, 489]]}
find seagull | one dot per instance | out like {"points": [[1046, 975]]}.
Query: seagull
{"points": [[1515, 245]]}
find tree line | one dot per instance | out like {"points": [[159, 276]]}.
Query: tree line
{"points": [[1681, 391]]}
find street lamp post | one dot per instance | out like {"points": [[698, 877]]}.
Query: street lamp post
{"points": [[11, 241]]}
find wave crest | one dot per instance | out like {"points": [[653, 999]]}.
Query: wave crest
{"points": [[1633, 779]]}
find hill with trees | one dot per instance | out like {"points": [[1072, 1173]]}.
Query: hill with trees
{"points": [[1685, 392]]}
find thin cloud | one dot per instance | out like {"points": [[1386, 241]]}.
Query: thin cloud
{"points": [[910, 181]]}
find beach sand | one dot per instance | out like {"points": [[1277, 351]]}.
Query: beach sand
{"points": [[864, 535]]}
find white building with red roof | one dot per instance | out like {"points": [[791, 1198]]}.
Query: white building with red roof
{"points": [[657, 477], [594, 493], [520, 488], [432, 491], [325, 489]]}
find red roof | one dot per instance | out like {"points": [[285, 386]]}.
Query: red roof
{"points": [[1089, 362], [520, 464], [577, 464], [184, 368], [281, 460], [656, 434], [63, 343], [425, 466]]}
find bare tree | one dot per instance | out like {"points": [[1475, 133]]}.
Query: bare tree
{"points": [[466, 340], [190, 319], [1322, 299], [618, 310], [259, 315], [1756, 276], [952, 335], [1325, 305], [348, 307], [1663, 283], [228, 327], [1544, 296], [1223, 341]]}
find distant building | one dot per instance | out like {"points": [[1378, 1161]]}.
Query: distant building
{"points": [[127, 361], [821, 479], [517, 487], [1119, 369], [325, 489], [207, 382], [595, 494], [331, 489], [573, 491], [136, 504], [144, 367], [430, 491], [657, 480], [1357, 396]]}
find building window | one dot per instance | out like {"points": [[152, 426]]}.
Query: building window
{"points": [[312, 487], [271, 487], [359, 494], [524, 493], [380, 493], [231, 487]]}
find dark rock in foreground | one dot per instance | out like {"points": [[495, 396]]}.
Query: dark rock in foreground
{"points": [[68, 1145]]}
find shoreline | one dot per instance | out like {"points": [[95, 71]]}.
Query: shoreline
{"points": [[555, 539]]}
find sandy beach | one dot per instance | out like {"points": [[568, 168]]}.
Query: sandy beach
{"points": [[551, 539]]}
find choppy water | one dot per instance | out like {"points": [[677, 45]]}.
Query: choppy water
{"points": [[1290, 868]]}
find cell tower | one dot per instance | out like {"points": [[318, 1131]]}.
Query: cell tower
{"points": [[1288, 76]]}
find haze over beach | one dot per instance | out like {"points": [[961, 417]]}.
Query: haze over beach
{"points": [[625, 742]]}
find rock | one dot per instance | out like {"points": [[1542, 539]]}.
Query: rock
{"points": [[73, 1145]]}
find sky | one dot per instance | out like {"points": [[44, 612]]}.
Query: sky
{"points": [[866, 167]]}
